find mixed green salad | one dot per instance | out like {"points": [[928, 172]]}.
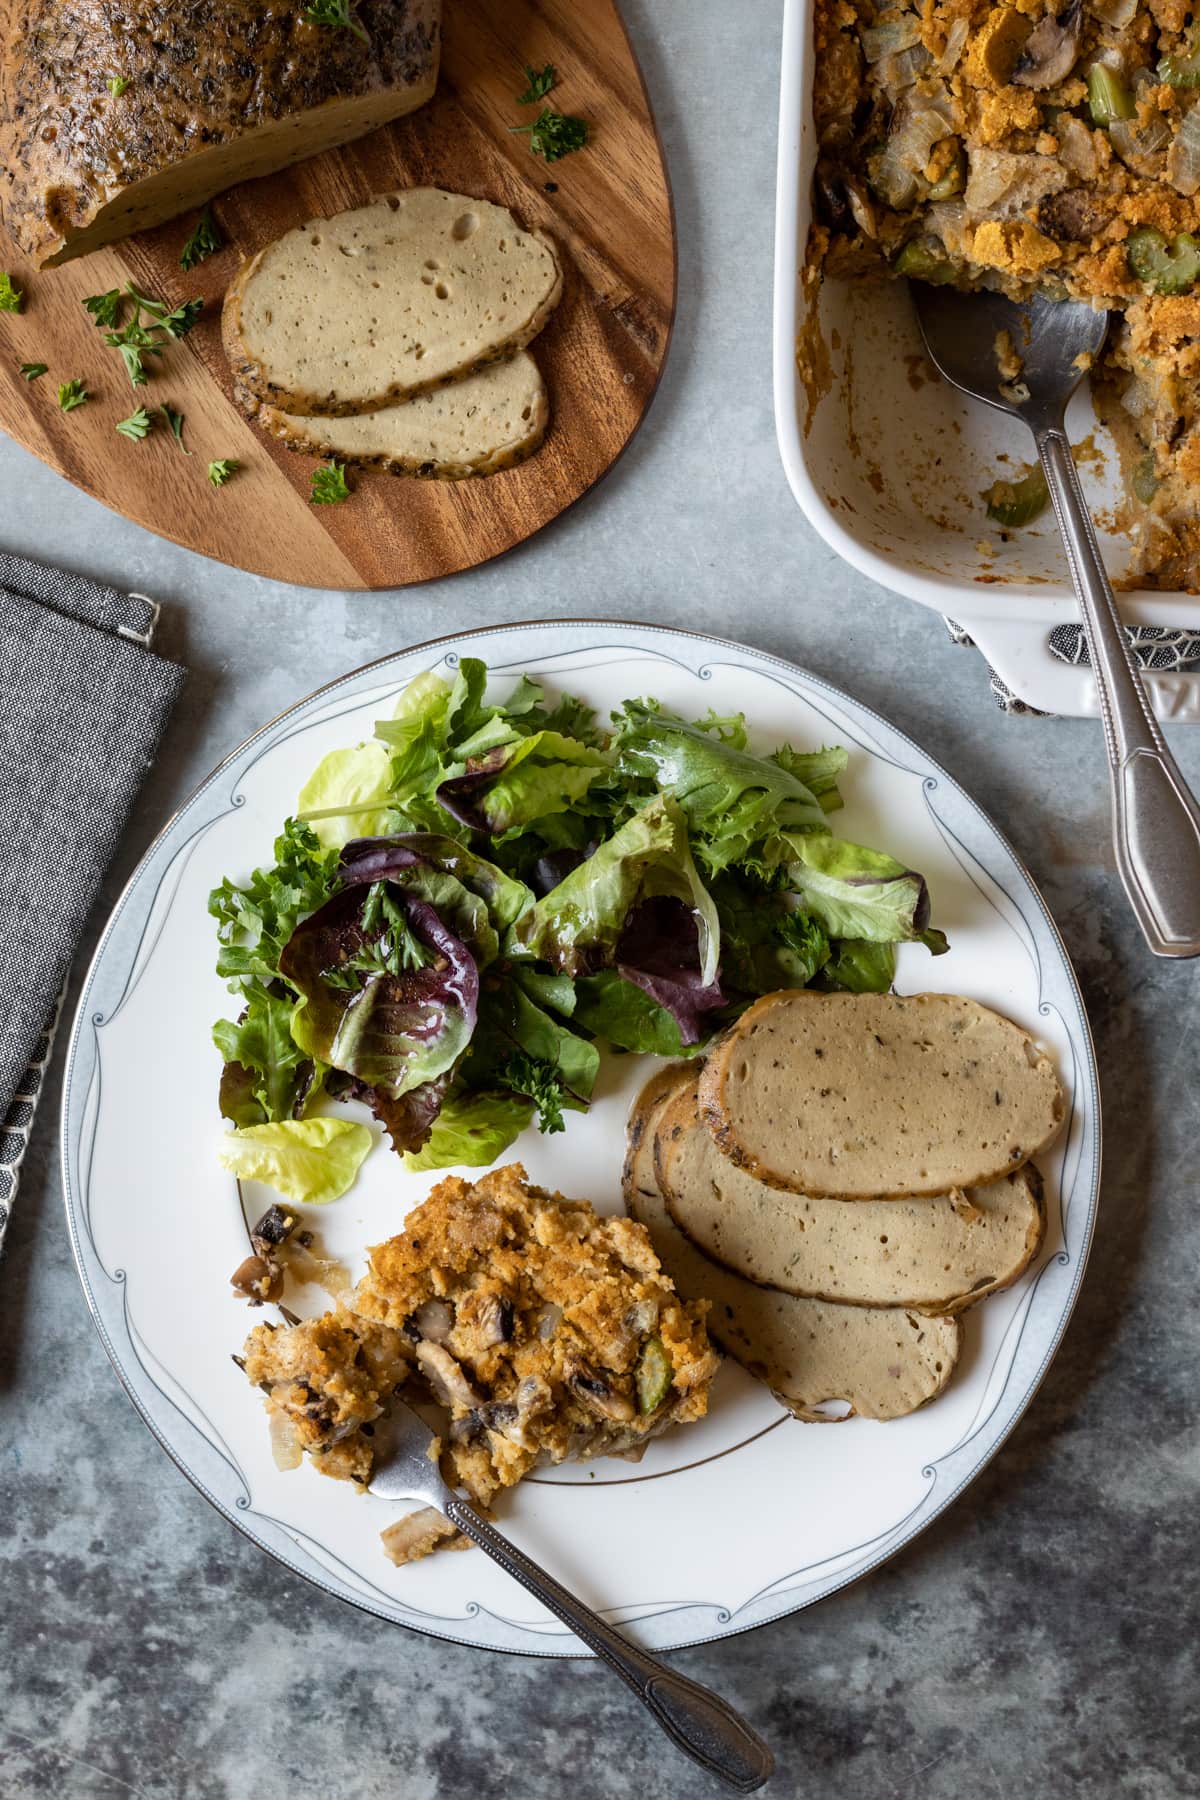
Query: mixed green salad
{"points": [[469, 907]]}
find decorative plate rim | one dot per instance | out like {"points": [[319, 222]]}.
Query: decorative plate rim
{"points": [[880, 1547]]}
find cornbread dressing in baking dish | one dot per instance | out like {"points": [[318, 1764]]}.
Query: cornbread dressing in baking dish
{"points": [[1036, 146], [546, 1332]]}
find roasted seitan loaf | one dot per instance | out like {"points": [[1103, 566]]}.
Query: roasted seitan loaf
{"points": [[882, 1361], [218, 91], [416, 289], [489, 421]]}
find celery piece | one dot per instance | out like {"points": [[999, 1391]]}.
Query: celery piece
{"points": [[1172, 268], [1108, 97], [921, 261], [1014, 503]]}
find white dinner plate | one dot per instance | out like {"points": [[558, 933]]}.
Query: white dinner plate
{"points": [[726, 1523]]}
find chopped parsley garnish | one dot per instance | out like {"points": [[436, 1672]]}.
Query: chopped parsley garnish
{"points": [[554, 135], [540, 1082], [11, 298], [134, 339], [220, 472], [72, 394], [104, 308], [116, 85], [31, 371], [175, 421], [395, 951], [329, 485], [136, 425], [540, 82], [336, 13], [205, 241]]}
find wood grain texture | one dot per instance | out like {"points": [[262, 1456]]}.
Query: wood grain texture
{"points": [[601, 354]]}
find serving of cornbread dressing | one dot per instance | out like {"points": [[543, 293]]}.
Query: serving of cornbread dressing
{"points": [[1036, 146], [546, 1332]]}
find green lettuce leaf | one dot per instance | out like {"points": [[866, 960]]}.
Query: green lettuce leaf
{"points": [[855, 892], [394, 1025], [861, 967], [255, 922], [731, 798], [625, 1015], [514, 784], [578, 922], [348, 795], [819, 770], [275, 1073], [312, 1161], [472, 1131]]}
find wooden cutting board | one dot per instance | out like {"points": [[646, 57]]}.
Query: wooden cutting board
{"points": [[609, 208]]}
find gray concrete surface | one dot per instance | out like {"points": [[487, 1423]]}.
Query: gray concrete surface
{"points": [[1040, 1640]]}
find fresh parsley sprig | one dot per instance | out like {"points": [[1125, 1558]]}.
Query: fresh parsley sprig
{"points": [[31, 371], [175, 421], [137, 425], [337, 14], [12, 298], [116, 85], [220, 472], [540, 1082], [554, 135], [72, 394], [540, 83], [329, 485], [205, 241], [138, 337]]}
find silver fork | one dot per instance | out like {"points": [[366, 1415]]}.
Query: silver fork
{"points": [[698, 1722]]}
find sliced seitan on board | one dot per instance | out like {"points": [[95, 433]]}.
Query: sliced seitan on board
{"points": [[393, 299], [864, 1096], [487, 422], [883, 1362], [216, 92], [939, 1254]]}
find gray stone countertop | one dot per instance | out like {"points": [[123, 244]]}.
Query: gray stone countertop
{"points": [[1041, 1638]]}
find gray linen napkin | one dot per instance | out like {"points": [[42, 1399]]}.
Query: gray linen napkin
{"points": [[83, 701], [1153, 646]]}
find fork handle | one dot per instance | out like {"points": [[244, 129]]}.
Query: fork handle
{"points": [[1156, 821], [697, 1721]]}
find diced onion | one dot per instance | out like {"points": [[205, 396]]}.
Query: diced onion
{"points": [[1183, 158], [1115, 13], [1139, 146], [879, 41], [956, 39], [285, 1445]]}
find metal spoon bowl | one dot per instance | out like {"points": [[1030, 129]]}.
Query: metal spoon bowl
{"points": [[1156, 821]]}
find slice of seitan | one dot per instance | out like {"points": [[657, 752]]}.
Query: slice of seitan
{"points": [[414, 290], [883, 1362], [487, 422], [214, 94], [862, 1096], [941, 1254]]}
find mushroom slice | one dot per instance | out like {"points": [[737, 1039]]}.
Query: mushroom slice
{"points": [[418, 1534], [1050, 49], [445, 1376], [596, 1393]]}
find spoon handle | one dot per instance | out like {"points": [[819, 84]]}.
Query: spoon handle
{"points": [[698, 1722], [1156, 821]]}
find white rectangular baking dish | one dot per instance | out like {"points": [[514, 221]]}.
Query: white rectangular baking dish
{"points": [[890, 464]]}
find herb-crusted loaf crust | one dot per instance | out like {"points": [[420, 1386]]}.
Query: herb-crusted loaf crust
{"points": [[395, 298], [217, 92], [940, 1254], [489, 421], [883, 1362], [866, 1096]]}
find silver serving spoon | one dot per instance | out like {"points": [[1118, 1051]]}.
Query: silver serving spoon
{"points": [[697, 1721], [1156, 821]]}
